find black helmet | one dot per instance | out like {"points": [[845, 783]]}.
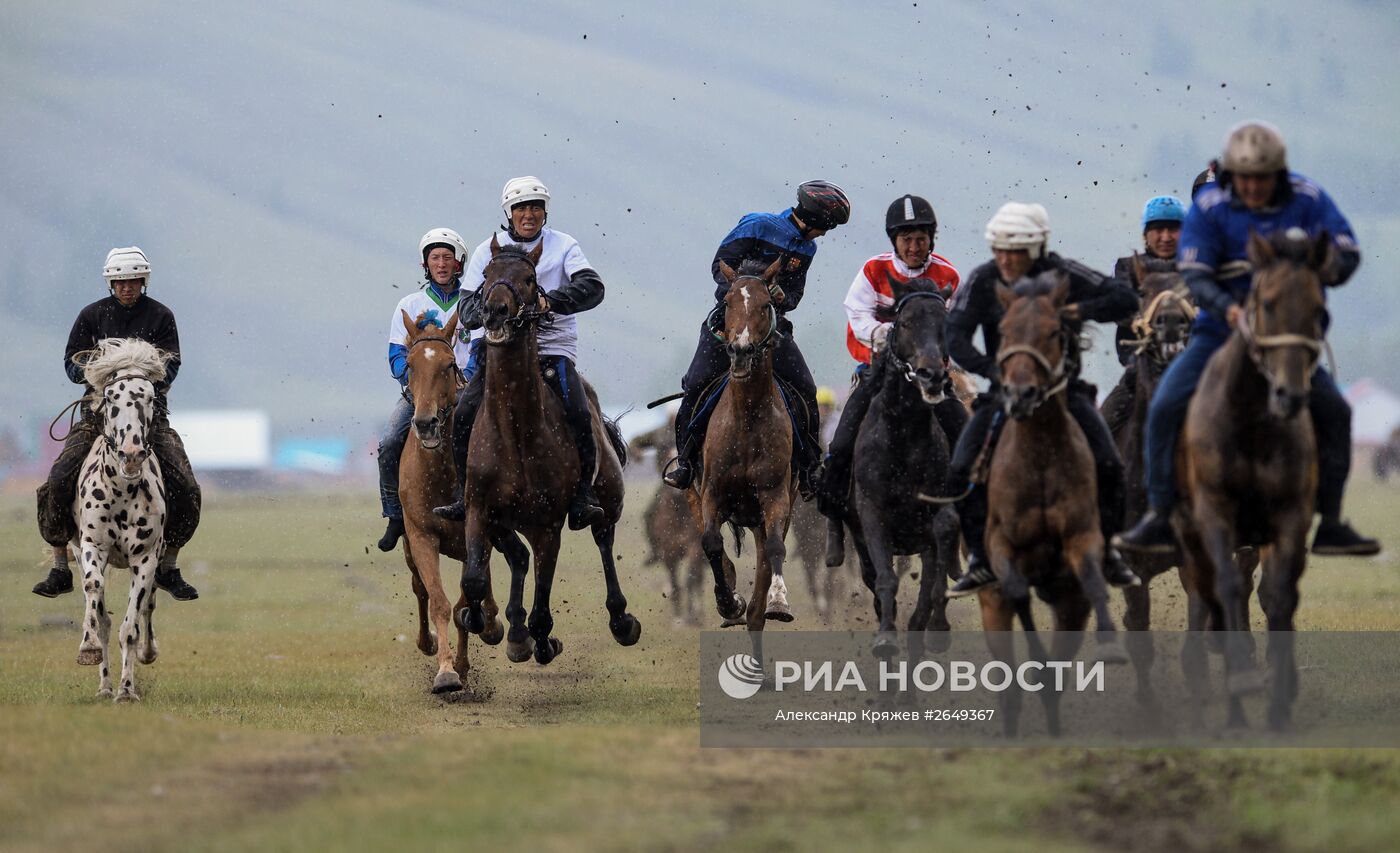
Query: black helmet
{"points": [[910, 211], [822, 204]]}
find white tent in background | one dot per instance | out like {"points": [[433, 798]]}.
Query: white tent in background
{"points": [[1375, 412]]}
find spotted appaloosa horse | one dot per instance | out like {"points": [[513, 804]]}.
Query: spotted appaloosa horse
{"points": [[120, 507]]}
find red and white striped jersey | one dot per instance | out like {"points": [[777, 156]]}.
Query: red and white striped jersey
{"points": [[870, 301]]}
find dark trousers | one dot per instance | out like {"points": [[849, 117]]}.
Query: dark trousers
{"points": [[390, 453], [951, 414], [986, 422], [711, 361], [560, 373], [183, 497]]}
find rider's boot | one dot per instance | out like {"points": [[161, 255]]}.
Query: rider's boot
{"points": [[1336, 537], [392, 531], [978, 575], [168, 578], [1152, 534], [60, 579], [1116, 572]]}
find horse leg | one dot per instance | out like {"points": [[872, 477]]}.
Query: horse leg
{"points": [[92, 651], [545, 544], [996, 626], [624, 626], [1283, 567], [728, 602], [1071, 614], [770, 540], [946, 536], [1137, 620], [757, 614], [1241, 676], [424, 550], [148, 650], [476, 578], [143, 578], [427, 643], [672, 573], [885, 582], [835, 544], [1084, 556], [519, 644], [509, 543]]}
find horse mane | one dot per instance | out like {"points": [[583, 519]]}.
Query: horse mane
{"points": [[1298, 250], [115, 356], [1042, 285], [512, 250], [1158, 265], [755, 267]]}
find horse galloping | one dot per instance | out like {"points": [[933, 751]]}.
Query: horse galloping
{"points": [[746, 471], [1043, 527], [120, 506], [1247, 465], [522, 468]]}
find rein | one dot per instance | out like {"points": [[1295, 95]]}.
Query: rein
{"points": [[1057, 377], [1142, 324], [521, 317]]}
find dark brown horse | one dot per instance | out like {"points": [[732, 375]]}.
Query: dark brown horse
{"points": [[522, 467], [1247, 465], [425, 481], [669, 533], [746, 473], [1043, 522]]}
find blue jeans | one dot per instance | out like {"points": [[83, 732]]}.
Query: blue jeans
{"points": [[1329, 410], [390, 450]]}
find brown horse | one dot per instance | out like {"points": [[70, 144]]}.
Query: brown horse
{"points": [[1247, 465], [522, 467], [426, 480], [1043, 522], [667, 524], [746, 472]]}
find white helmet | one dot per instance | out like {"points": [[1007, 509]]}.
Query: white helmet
{"points": [[128, 262], [527, 188], [443, 237], [1019, 226]]}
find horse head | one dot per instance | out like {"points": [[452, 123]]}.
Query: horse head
{"points": [[1034, 344], [1164, 324], [433, 376], [917, 346], [124, 373], [1285, 313], [750, 314], [510, 292]]}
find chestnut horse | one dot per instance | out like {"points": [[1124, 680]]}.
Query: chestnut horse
{"points": [[522, 467], [1247, 465], [1043, 522], [746, 471], [426, 480]]}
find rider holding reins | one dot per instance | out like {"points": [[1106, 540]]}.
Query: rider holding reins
{"points": [[1018, 235], [1254, 193]]}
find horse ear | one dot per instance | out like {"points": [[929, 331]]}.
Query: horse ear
{"points": [[1060, 295], [727, 271], [408, 324], [1005, 295], [495, 246], [451, 326], [1139, 270], [536, 253], [1259, 251], [773, 270]]}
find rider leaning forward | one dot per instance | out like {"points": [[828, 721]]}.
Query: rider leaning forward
{"points": [[1018, 235], [127, 313], [568, 285], [911, 225], [790, 235], [1254, 193]]}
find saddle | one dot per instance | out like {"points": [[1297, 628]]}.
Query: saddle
{"points": [[804, 422]]}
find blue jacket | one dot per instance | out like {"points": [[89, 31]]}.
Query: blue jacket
{"points": [[1212, 253], [765, 236]]}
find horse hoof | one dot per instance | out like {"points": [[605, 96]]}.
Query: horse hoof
{"points": [[1244, 683], [127, 696], [427, 646], [547, 651], [447, 682], [1111, 653], [736, 609], [149, 658], [938, 640], [519, 651], [472, 619], [104, 693], [628, 631], [89, 657], [778, 611], [493, 635], [885, 645]]}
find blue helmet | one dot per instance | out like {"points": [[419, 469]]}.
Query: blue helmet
{"points": [[1163, 208]]}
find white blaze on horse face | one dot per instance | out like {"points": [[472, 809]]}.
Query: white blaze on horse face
{"points": [[429, 354], [744, 335]]}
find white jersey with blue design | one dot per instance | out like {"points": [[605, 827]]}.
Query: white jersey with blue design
{"points": [[559, 260], [439, 308]]}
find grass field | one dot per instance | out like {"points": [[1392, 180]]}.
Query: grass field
{"points": [[290, 710]]}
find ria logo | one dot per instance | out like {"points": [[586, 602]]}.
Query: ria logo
{"points": [[740, 676]]}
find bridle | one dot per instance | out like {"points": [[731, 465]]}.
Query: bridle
{"points": [[1258, 345], [444, 410], [145, 422], [522, 316], [715, 323], [1142, 324], [904, 368], [1057, 379]]}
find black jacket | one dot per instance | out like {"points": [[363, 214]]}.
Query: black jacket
{"points": [[147, 320], [976, 306]]}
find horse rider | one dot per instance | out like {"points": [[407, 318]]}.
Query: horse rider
{"points": [[444, 256], [126, 313], [1254, 192], [911, 225], [1018, 235], [1161, 230], [791, 235], [568, 285]]}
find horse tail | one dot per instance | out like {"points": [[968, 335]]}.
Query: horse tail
{"points": [[619, 444], [738, 533]]}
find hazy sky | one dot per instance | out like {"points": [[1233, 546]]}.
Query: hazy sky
{"points": [[279, 166]]}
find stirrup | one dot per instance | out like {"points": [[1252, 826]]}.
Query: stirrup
{"points": [[452, 512], [679, 477]]}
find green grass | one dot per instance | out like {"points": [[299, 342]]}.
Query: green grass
{"points": [[290, 710]]}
